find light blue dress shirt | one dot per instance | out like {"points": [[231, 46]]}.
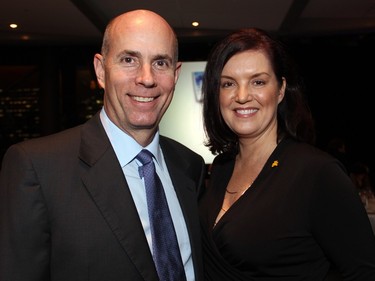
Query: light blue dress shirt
{"points": [[126, 149]]}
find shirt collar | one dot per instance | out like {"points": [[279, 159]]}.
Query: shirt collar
{"points": [[125, 147]]}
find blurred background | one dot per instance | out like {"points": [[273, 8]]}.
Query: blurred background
{"points": [[47, 81]]}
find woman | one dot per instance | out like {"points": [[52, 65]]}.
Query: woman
{"points": [[276, 207]]}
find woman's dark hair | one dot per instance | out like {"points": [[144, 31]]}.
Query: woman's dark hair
{"points": [[293, 116]]}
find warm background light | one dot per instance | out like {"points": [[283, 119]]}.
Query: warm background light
{"points": [[183, 119]]}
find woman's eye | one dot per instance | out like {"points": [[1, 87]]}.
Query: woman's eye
{"points": [[258, 82], [226, 84]]}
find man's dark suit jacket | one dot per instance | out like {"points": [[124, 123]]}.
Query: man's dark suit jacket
{"points": [[66, 212]]}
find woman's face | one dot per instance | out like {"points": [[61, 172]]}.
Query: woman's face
{"points": [[250, 94]]}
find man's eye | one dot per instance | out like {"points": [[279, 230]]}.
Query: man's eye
{"points": [[127, 60], [161, 64]]}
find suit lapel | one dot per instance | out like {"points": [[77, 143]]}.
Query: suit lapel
{"points": [[183, 184], [108, 188], [185, 187]]}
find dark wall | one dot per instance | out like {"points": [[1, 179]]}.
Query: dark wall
{"points": [[337, 70]]}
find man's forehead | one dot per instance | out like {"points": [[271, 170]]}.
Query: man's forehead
{"points": [[143, 45]]}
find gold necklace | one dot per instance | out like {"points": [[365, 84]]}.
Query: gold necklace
{"points": [[231, 192], [235, 192]]}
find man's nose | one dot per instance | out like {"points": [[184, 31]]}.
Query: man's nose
{"points": [[145, 76]]}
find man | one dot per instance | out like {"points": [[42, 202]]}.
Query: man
{"points": [[72, 206]]}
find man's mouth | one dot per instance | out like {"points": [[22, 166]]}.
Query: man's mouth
{"points": [[143, 99]]}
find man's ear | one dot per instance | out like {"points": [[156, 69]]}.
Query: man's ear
{"points": [[99, 69], [177, 71]]}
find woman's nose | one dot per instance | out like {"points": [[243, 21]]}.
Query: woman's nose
{"points": [[243, 95]]}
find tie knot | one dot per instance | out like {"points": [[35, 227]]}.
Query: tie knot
{"points": [[144, 156]]}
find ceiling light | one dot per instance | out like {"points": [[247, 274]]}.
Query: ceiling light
{"points": [[195, 23], [13, 25]]}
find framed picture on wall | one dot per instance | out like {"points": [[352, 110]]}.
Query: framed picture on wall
{"points": [[197, 85]]}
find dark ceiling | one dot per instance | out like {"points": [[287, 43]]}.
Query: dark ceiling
{"points": [[82, 21]]}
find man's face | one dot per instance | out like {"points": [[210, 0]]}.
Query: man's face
{"points": [[139, 75]]}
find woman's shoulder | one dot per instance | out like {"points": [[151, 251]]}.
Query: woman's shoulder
{"points": [[300, 154], [302, 149]]}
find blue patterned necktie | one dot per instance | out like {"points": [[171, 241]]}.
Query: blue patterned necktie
{"points": [[165, 247]]}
